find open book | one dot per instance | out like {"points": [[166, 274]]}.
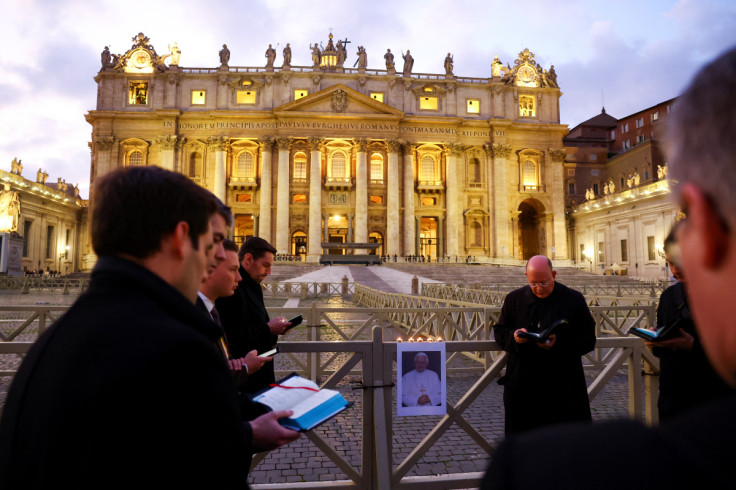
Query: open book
{"points": [[311, 405], [662, 333], [543, 336]]}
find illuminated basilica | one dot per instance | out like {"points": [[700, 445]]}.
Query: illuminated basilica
{"points": [[422, 164]]}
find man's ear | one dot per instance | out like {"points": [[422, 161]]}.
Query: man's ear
{"points": [[179, 239], [706, 227]]}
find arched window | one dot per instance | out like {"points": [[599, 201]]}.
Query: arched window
{"points": [[476, 232], [529, 174], [376, 167], [474, 171], [300, 165], [338, 165], [135, 158], [195, 160], [245, 165], [427, 169]]}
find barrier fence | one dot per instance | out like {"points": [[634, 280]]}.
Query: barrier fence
{"points": [[340, 346]]}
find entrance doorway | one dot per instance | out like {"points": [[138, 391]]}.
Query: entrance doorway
{"points": [[337, 232], [376, 237], [531, 229], [428, 237], [299, 245]]}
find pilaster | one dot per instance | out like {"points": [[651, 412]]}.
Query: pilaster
{"points": [[314, 245], [361, 192], [393, 243], [264, 224], [282, 196], [409, 221]]}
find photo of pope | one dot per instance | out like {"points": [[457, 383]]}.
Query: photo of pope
{"points": [[421, 386]]}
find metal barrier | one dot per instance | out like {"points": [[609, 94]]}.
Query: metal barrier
{"points": [[27, 284], [361, 352], [308, 290]]}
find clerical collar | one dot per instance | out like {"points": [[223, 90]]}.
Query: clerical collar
{"points": [[207, 302]]}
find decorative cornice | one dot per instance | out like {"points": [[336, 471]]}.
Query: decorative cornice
{"points": [[217, 143], [557, 154], [104, 142], [500, 150], [266, 143], [283, 142], [394, 146], [166, 142], [361, 144], [315, 143]]}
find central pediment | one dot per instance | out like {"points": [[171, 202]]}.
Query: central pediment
{"points": [[338, 100]]}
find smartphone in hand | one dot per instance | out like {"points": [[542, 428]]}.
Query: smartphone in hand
{"points": [[297, 320]]}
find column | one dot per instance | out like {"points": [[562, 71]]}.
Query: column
{"points": [[326, 218], [392, 242], [361, 192], [255, 225], [350, 237], [409, 222], [218, 145], [417, 237], [282, 196], [314, 246], [264, 223], [440, 237], [166, 143], [179, 158], [452, 199], [504, 238], [556, 181], [549, 238]]}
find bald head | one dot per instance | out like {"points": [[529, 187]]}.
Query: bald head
{"points": [[541, 276]]}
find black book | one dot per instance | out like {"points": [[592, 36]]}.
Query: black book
{"points": [[662, 333], [543, 336]]}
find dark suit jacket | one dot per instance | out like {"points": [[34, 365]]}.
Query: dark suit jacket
{"points": [[696, 450], [126, 390], [245, 320]]}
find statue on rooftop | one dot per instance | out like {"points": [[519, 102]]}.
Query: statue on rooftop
{"points": [[496, 66], [342, 53], [362, 58], [316, 54], [16, 167], [41, 176], [449, 63], [105, 57], [270, 56], [287, 55], [408, 62], [552, 77], [611, 186], [175, 55], [224, 55], [389, 57]]}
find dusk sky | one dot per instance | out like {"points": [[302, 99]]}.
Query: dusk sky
{"points": [[626, 55]]}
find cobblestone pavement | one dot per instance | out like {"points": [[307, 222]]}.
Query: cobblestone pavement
{"points": [[454, 452]]}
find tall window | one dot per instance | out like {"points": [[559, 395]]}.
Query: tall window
{"points": [[339, 165], [477, 234], [624, 250], [571, 187], [376, 167], [427, 169], [194, 162], [300, 165], [529, 174], [27, 236], [651, 252], [135, 158], [50, 242], [474, 171], [245, 164], [601, 255]]}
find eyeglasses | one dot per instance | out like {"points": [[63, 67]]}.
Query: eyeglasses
{"points": [[538, 284]]}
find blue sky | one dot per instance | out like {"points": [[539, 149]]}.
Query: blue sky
{"points": [[627, 54]]}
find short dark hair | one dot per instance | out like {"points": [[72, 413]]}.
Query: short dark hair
{"points": [[256, 246], [224, 211], [135, 207], [229, 245]]}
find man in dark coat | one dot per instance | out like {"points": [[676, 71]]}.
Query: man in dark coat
{"points": [[698, 448], [127, 389], [686, 378], [544, 382], [244, 316]]}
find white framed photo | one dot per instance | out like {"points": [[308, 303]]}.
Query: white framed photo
{"points": [[421, 381]]}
